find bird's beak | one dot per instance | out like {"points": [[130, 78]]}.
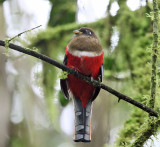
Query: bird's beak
{"points": [[77, 32]]}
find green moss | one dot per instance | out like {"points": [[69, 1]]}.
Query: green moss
{"points": [[7, 46], [135, 41], [63, 75]]}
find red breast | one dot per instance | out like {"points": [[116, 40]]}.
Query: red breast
{"points": [[87, 65]]}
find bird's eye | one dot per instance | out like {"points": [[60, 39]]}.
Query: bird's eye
{"points": [[90, 33]]}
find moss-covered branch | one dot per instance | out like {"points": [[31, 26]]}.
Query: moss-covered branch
{"points": [[81, 76], [154, 54], [153, 125], [146, 133]]}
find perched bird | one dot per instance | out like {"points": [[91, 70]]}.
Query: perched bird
{"points": [[84, 53]]}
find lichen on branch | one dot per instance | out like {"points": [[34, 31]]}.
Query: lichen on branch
{"points": [[152, 125]]}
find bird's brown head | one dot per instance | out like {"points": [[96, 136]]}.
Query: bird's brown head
{"points": [[85, 31], [85, 40]]}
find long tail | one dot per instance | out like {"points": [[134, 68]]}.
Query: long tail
{"points": [[82, 121]]}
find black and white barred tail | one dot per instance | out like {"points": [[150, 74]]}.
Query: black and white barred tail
{"points": [[82, 121]]}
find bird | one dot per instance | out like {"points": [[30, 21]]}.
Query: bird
{"points": [[84, 53]]}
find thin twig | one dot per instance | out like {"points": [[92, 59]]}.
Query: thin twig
{"points": [[24, 32], [81, 76]]}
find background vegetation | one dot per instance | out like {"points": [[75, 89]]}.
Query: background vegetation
{"points": [[127, 68]]}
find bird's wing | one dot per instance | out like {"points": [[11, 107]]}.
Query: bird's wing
{"points": [[97, 90], [63, 82]]}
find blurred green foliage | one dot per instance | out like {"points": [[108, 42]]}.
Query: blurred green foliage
{"points": [[135, 43], [62, 12], [1, 1]]}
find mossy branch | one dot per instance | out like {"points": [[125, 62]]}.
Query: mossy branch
{"points": [[81, 76], [23, 33], [8, 40], [146, 133], [154, 55], [153, 125]]}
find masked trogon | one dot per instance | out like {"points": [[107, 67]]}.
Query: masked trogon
{"points": [[84, 53]]}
